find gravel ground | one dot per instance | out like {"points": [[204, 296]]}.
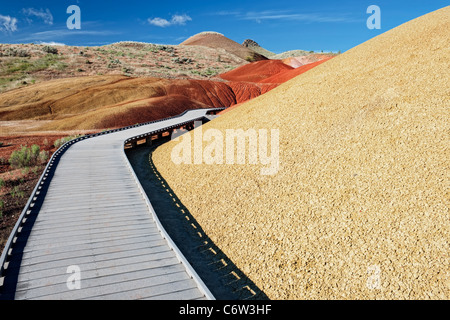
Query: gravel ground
{"points": [[359, 208], [292, 53]]}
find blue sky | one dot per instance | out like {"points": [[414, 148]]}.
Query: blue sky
{"points": [[277, 25]]}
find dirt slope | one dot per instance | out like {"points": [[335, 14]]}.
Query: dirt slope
{"points": [[296, 62], [216, 40], [245, 91], [289, 74], [93, 102], [101, 102], [256, 71], [359, 208]]}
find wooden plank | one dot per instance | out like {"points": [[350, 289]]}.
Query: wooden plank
{"points": [[187, 294], [93, 283], [86, 258], [150, 240], [89, 263], [126, 290]]}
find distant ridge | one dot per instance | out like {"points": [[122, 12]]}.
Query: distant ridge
{"points": [[292, 53], [256, 71], [219, 41], [210, 32], [251, 44]]}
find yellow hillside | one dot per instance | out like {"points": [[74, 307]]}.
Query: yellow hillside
{"points": [[359, 208]]}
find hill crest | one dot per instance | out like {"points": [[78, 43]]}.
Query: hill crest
{"points": [[218, 40]]}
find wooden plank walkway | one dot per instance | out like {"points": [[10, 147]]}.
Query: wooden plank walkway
{"points": [[96, 216]]}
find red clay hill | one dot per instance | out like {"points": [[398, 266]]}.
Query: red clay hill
{"points": [[270, 71], [288, 75], [257, 78], [219, 41], [298, 61], [256, 71], [100, 102]]}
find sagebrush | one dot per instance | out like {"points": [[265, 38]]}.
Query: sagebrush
{"points": [[28, 156]]}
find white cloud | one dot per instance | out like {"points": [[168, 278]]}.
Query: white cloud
{"points": [[176, 20], [57, 35], [159, 22], [227, 13], [305, 17], [8, 24], [60, 33], [287, 15], [45, 15], [52, 43], [180, 20]]}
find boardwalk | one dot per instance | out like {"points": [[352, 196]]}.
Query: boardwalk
{"points": [[96, 219]]}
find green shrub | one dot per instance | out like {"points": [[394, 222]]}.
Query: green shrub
{"points": [[165, 48], [20, 158], [25, 66], [127, 70], [61, 66], [17, 193], [49, 49], [35, 149], [59, 142], [44, 156], [182, 60], [26, 157], [26, 170], [209, 72], [15, 52]]}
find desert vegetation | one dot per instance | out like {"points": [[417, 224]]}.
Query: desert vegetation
{"points": [[20, 69], [26, 64], [28, 156], [22, 160], [59, 142]]}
